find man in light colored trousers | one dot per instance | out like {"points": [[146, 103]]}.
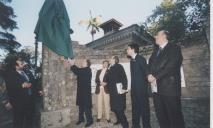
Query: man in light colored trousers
{"points": [[102, 93]]}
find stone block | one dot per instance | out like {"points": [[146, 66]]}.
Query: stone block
{"points": [[55, 119]]}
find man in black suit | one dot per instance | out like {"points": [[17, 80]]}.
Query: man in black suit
{"points": [[139, 88], [19, 87], [84, 95], [5, 105], [164, 65]]}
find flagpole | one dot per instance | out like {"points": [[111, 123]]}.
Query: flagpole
{"points": [[36, 52]]}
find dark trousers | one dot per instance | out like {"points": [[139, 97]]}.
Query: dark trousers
{"points": [[140, 108], [168, 111], [87, 112], [22, 115], [5, 117], [121, 117]]}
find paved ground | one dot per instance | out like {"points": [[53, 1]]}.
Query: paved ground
{"points": [[102, 124]]}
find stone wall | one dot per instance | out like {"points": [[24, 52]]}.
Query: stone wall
{"points": [[60, 86]]}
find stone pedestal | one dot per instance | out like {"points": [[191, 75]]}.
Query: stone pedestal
{"points": [[55, 119], [57, 91]]}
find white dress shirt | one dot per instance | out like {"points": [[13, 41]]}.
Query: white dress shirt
{"points": [[101, 77], [163, 45], [134, 56]]}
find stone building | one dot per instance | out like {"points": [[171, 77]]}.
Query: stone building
{"points": [[114, 38]]}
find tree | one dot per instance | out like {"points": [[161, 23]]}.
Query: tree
{"points": [[197, 13], [198, 18], [93, 24], [7, 24], [182, 18], [169, 16]]}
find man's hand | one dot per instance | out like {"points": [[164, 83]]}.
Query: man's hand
{"points": [[41, 93], [151, 78], [8, 106], [26, 85], [71, 62], [29, 85]]}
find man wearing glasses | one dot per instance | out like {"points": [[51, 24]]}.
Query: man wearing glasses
{"points": [[19, 87]]}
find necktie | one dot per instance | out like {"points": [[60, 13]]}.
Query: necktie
{"points": [[24, 76], [27, 79], [159, 51]]}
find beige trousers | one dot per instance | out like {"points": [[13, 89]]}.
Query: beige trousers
{"points": [[103, 104]]}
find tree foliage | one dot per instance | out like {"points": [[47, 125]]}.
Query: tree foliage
{"points": [[197, 14], [7, 24], [180, 17]]}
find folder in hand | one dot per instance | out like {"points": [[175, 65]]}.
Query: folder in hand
{"points": [[120, 89], [154, 86]]}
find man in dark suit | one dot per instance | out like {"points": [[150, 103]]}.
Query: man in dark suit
{"points": [[5, 105], [84, 96], [116, 75], [164, 70], [19, 87], [139, 88]]}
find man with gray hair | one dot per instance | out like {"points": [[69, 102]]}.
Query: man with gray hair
{"points": [[164, 71]]}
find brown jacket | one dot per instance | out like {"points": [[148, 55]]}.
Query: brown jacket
{"points": [[97, 80]]}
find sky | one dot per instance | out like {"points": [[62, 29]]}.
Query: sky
{"points": [[127, 12]]}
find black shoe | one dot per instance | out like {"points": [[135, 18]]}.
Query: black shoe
{"points": [[109, 121], [125, 125], [98, 120], [136, 126], [79, 122], [117, 123], [88, 124]]}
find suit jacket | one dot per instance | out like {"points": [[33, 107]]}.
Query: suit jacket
{"points": [[3, 91], [97, 80], [84, 76], [16, 93], [139, 70], [33, 82], [116, 74], [166, 69]]}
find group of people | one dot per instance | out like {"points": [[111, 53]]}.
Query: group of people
{"points": [[18, 88], [162, 71], [19, 91]]}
